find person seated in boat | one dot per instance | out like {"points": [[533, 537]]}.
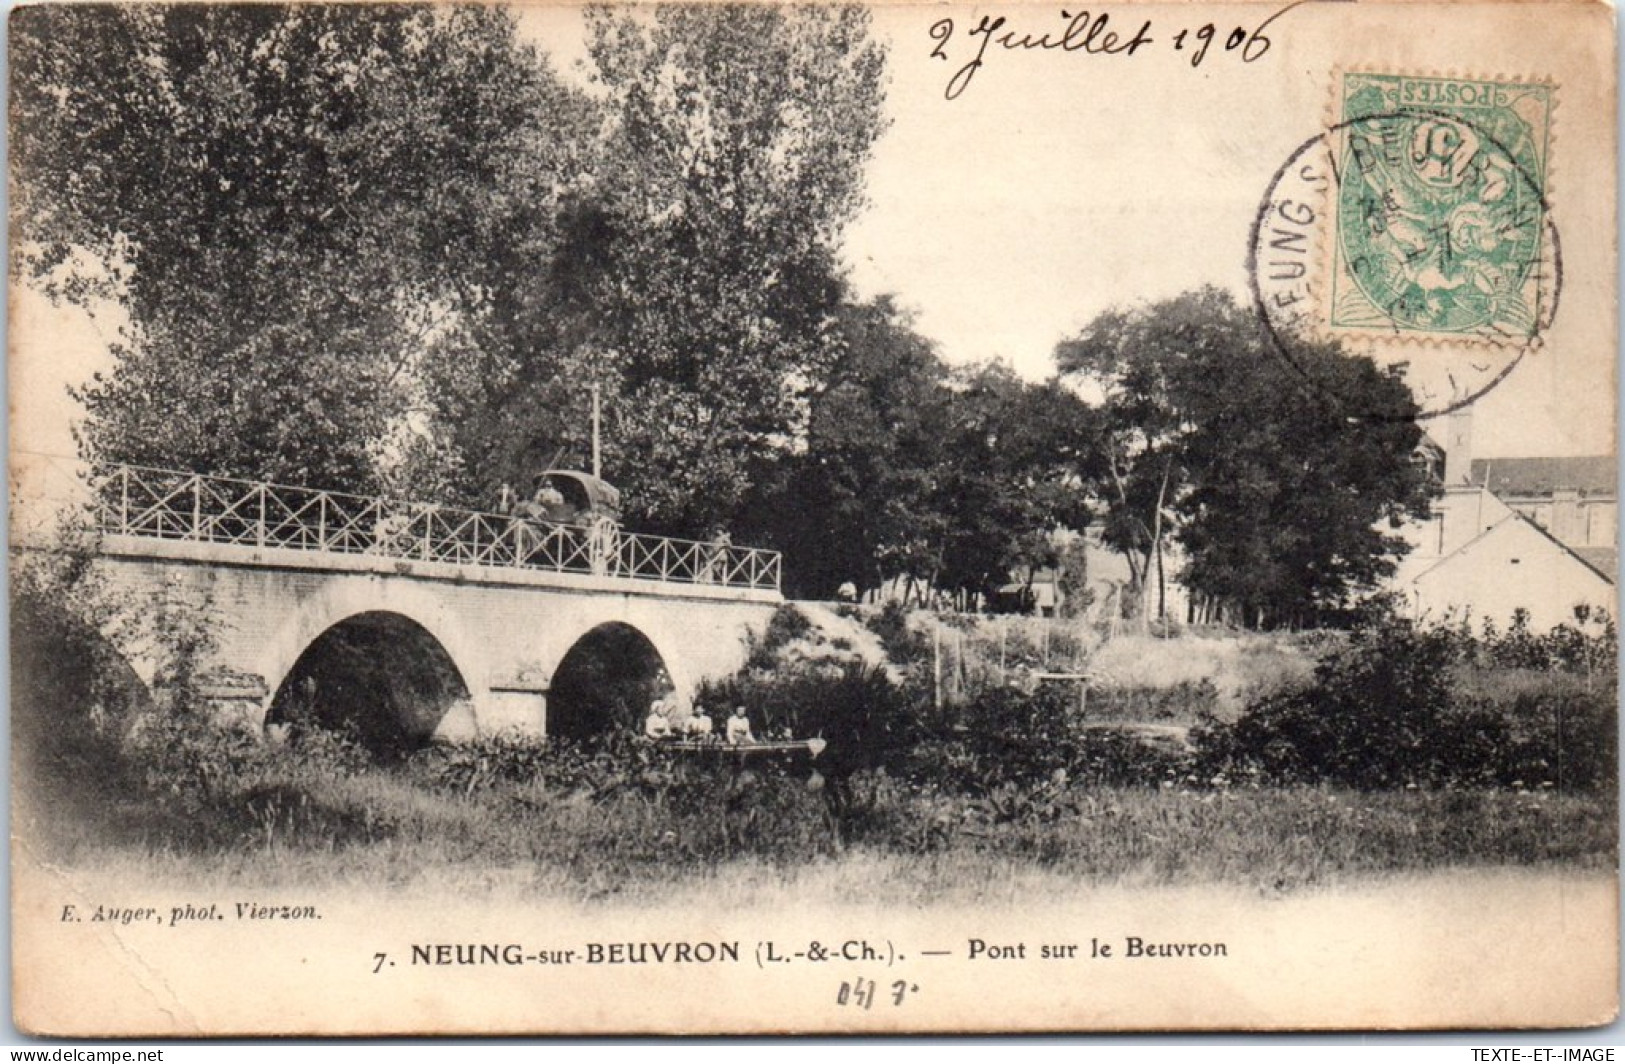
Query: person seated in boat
{"points": [[656, 725], [739, 728], [698, 725]]}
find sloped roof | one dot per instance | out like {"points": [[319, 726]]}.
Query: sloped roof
{"points": [[1525, 477], [1603, 559], [1573, 551], [1514, 519]]}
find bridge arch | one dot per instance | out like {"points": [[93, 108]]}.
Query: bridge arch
{"points": [[377, 675], [605, 682], [384, 655], [650, 621]]}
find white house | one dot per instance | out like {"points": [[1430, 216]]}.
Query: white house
{"points": [[1486, 553]]}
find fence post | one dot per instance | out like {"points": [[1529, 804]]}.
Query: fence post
{"points": [[124, 500], [260, 530], [936, 663], [197, 506], [321, 521]]}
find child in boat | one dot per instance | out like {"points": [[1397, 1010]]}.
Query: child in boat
{"points": [[739, 728], [655, 725], [698, 725]]}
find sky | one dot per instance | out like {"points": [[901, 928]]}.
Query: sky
{"points": [[1057, 186], [1060, 184]]}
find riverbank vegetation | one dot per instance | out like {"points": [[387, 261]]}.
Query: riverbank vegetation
{"points": [[1406, 749]]}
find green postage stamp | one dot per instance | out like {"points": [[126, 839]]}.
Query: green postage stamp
{"points": [[1442, 227]]}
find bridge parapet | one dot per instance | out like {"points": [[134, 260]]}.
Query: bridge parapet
{"points": [[158, 504]]}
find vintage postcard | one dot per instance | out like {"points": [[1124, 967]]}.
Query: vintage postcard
{"points": [[737, 519]]}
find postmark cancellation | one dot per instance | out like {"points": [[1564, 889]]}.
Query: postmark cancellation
{"points": [[1417, 226], [1440, 213]]}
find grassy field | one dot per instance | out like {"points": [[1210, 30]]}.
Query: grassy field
{"points": [[1132, 677], [391, 829]]}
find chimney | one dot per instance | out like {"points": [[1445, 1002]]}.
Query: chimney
{"points": [[1458, 447]]}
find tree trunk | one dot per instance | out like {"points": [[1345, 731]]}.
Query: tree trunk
{"points": [[1162, 587], [1156, 537]]}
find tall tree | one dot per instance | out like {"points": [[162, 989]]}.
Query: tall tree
{"points": [[1277, 489], [288, 202], [708, 254], [1303, 486], [1012, 472], [1144, 365], [858, 501], [947, 480]]}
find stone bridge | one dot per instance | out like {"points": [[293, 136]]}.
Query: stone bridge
{"points": [[413, 621]]}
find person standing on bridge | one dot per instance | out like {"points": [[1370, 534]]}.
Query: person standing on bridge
{"points": [[716, 557], [604, 545], [533, 519]]}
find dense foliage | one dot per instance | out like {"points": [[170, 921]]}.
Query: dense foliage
{"points": [[391, 249], [1283, 498], [282, 201], [1403, 706], [913, 471], [695, 276]]}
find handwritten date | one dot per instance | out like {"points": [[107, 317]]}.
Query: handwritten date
{"points": [[1091, 34]]}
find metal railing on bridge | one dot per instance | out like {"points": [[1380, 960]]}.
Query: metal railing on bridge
{"points": [[172, 505]]}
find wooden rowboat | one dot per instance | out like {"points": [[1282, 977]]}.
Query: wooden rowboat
{"points": [[787, 748]]}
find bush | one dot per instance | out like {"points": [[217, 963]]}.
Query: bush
{"points": [[903, 645], [1372, 718], [72, 700], [86, 726], [1588, 644], [1399, 706], [618, 803], [482, 763], [1020, 738], [1027, 755], [1120, 758], [1564, 735], [785, 626]]}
